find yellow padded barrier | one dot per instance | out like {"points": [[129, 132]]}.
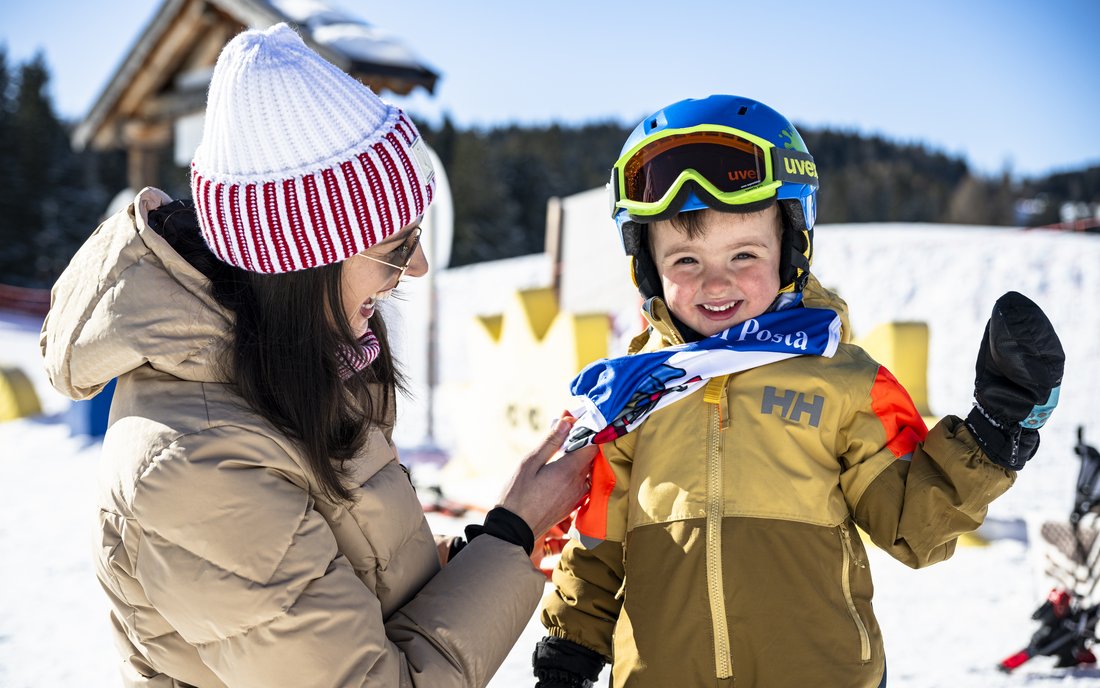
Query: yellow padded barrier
{"points": [[17, 396], [520, 364], [903, 348]]}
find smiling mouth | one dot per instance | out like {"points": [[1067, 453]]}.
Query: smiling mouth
{"points": [[718, 312], [366, 309], [724, 309]]}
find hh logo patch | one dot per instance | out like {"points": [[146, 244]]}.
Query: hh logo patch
{"points": [[793, 406]]}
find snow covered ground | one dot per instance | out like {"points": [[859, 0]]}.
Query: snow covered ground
{"points": [[944, 626]]}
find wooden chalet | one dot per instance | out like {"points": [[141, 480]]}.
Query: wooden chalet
{"points": [[152, 106]]}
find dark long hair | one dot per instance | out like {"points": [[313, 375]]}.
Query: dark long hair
{"points": [[289, 344]]}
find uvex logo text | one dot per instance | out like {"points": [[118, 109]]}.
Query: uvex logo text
{"points": [[738, 175], [793, 405], [800, 167]]}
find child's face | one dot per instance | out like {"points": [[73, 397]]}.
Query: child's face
{"points": [[727, 274]]}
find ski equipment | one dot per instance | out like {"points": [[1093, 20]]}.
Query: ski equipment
{"points": [[1068, 618]]}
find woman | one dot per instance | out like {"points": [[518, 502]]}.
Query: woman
{"points": [[255, 525]]}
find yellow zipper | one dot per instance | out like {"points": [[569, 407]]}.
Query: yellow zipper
{"points": [[713, 395], [849, 557]]}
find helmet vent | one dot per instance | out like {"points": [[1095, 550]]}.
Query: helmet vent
{"points": [[743, 110]]}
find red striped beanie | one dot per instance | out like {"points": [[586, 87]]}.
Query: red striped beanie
{"points": [[301, 165]]}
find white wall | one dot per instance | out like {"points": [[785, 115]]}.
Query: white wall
{"points": [[461, 294]]}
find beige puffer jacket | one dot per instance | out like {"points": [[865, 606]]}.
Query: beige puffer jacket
{"points": [[223, 563]]}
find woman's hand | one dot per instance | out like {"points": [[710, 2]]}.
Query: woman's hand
{"points": [[443, 544], [543, 492]]}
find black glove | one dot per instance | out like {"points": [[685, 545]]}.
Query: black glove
{"points": [[560, 663], [1018, 373]]}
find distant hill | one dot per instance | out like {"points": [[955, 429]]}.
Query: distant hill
{"points": [[501, 178], [51, 197]]}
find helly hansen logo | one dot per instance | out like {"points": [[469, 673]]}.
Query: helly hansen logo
{"points": [[793, 405]]}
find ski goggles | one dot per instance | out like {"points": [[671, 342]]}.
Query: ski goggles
{"points": [[733, 167]]}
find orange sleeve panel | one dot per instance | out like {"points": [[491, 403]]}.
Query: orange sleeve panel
{"points": [[592, 517], [895, 409]]}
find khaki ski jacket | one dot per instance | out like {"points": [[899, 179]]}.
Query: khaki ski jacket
{"points": [[223, 563], [732, 556]]}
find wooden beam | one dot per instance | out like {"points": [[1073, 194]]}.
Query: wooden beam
{"points": [[141, 166], [147, 134], [98, 129], [184, 37], [163, 61], [146, 144], [173, 105]]}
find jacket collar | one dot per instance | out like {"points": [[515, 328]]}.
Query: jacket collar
{"points": [[662, 331], [127, 299]]}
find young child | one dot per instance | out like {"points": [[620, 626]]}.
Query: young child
{"points": [[743, 440]]}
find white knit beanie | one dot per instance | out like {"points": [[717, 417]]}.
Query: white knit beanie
{"points": [[301, 165]]}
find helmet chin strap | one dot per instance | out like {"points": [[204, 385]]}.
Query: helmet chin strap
{"points": [[795, 268], [644, 270]]}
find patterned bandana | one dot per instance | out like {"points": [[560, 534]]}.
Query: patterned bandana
{"points": [[357, 358], [618, 394]]}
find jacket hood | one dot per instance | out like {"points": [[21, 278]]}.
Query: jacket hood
{"points": [[128, 299], [662, 331]]}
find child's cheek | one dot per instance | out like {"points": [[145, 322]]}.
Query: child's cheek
{"points": [[678, 299]]}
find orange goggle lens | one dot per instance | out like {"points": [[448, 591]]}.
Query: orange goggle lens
{"points": [[727, 161]]}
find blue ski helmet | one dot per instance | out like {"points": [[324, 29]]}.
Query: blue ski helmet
{"points": [[724, 152]]}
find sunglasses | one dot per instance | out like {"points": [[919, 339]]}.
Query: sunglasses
{"points": [[401, 257]]}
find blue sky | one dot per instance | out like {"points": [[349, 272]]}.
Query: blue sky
{"points": [[1004, 83]]}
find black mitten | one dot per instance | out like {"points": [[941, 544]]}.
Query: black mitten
{"points": [[1018, 373], [560, 663]]}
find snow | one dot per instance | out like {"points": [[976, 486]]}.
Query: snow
{"points": [[949, 277], [947, 625], [348, 35], [54, 628]]}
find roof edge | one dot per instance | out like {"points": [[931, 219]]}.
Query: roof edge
{"points": [[150, 34]]}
